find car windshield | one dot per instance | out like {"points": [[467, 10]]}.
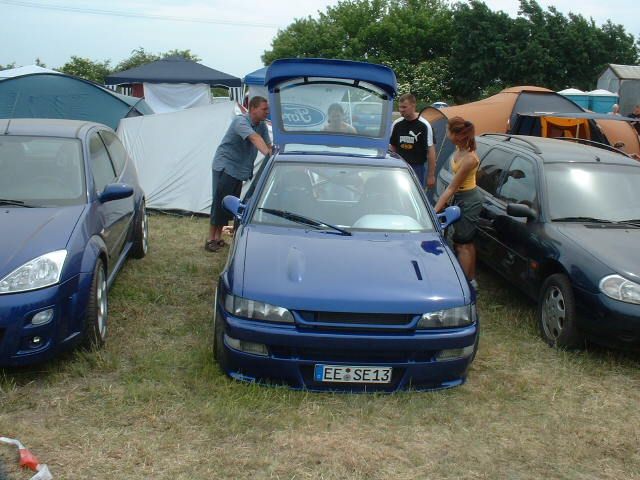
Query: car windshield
{"points": [[600, 191], [350, 197], [332, 106], [41, 171]]}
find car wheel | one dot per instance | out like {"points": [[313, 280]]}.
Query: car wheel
{"points": [[219, 352], [140, 233], [95, 322], [557, 313]]}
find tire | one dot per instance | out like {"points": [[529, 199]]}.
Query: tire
{"points": [[219, 353], [95, 321], [140, 233], [557, 317]]}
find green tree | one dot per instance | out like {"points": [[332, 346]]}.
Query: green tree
{"points": [[479, 48], [8, 66], [539, 47], [87, 69], [410, 36]]}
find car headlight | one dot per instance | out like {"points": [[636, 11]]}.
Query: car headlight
{"points": [[38, 273], [449, 318], [619, 288], [243, 307]]}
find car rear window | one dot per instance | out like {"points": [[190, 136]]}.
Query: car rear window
{"points": [[332, 106]]}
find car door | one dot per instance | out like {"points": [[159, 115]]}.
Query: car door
{"points": [[110, 213], [489, 178], [520, 185]]}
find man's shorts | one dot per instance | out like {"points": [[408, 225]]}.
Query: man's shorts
{"points": [[221, 186]]}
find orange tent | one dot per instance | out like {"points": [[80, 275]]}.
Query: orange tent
{"points": [[498, 114]]}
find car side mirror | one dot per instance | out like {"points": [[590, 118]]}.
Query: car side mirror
{"points": [[234, 206], [449, 216], [521, 210], [115, 191]]}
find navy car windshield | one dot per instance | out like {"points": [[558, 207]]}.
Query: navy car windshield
{"points": [[350, 197], [606, 192], [333, 106], [41, 171]]}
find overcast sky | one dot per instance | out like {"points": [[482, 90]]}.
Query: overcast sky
{"points": [[228, 36]]}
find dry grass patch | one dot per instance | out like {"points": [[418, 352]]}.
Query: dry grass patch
{"points": [[153, 403]]}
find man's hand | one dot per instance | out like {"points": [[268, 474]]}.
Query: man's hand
{"points": [[431, 181]]}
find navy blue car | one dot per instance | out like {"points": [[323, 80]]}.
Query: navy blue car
{"points": [[71, 210], [561, 222], [338, 277]]}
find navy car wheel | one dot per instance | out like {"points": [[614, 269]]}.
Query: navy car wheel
{"points": [[95, 323], [218, 338], [557, 313], [141, 233]]}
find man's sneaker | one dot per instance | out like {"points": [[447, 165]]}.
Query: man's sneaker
{"points": [[474, 285]]}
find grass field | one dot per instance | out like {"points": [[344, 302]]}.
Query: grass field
{"points": [[153, 404]]}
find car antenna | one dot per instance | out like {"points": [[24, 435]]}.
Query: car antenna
{"points": [[6, 130]]}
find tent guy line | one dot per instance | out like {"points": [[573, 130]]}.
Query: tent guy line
{"points": [[115, 13]]}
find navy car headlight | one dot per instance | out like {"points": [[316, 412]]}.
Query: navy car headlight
{"points": [[619, 288], [40, 272], [449, 318], [243, 307]]}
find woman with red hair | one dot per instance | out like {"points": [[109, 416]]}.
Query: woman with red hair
{"points": [[464, 193]]}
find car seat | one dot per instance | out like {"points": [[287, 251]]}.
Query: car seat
{"points": [[295, 193]]}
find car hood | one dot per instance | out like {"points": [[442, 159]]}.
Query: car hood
{"points": [[33, 232], [613, 246], [366, 272]]}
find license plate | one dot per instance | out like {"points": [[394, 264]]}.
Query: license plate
{"points": [[348, 374]]}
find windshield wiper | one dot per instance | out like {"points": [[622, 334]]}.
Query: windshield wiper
{"points": [[294, 217], [633, 222], [15, 203], [581, 219]]}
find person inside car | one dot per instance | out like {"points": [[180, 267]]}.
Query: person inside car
{"points": [[335, 120]]}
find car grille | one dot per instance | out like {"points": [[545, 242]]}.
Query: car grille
{"points": [[355, 356], [346, 318]]}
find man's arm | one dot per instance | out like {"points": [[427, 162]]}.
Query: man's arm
{"points": [[260, 144]]}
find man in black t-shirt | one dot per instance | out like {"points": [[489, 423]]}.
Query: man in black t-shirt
{"points": [[412, 139]]}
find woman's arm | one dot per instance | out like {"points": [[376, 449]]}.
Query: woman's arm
{"points": [[469, 162]]}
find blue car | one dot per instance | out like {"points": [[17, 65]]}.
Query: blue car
{"points": [[71, 211], [338, 277]]}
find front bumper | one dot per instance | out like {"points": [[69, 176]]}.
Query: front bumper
{"points": [[68, 301], [294, 352], [608, 321]]}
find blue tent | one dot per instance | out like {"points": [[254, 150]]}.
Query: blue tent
{"points": [[46, 95], [255, 78], [173, 69]]}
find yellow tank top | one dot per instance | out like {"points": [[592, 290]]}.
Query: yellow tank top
{"points": [[468, 183]]}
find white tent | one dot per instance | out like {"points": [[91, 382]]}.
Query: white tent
{"points": [[173, 153], [172, 97], [26, 70]]}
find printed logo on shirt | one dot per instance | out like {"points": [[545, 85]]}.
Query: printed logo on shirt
{"points": [[411, 138]]}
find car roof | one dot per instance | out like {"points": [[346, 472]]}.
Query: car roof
{"points": [[346, 159], [47, 127], [551, 150]]}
